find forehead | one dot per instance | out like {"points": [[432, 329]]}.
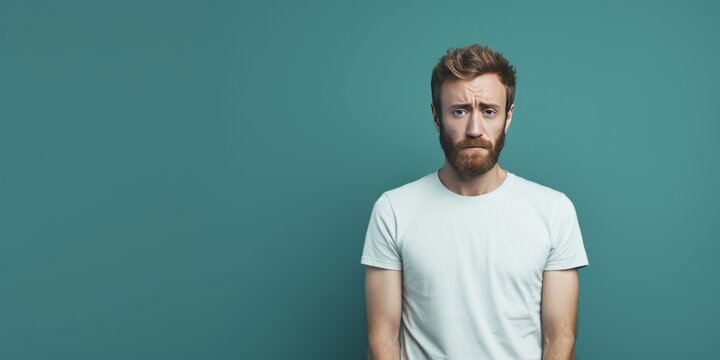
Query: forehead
{"points": [[486, 88]]}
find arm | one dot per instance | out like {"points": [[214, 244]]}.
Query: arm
{"points": [[559, 313], [383, 297]]}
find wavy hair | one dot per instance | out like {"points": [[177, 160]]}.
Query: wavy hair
{"points": [[468, 63]]}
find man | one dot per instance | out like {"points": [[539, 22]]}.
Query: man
{"points": [[472, 261]]}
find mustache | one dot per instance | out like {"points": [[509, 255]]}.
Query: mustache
{"points": [[479, 142]]}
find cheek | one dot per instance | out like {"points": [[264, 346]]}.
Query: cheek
{"points": [[498, 130], [455, 132]]}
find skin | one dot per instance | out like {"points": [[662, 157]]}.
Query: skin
{"points": [[483, 122], [559, 304], [383, 299]]}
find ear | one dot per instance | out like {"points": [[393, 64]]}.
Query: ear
{"points": [[509, 117], [436, 119]]}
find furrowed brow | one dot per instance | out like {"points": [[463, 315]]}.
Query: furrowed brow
{"points": [[466, 106], [485, 105], [461, 106]]}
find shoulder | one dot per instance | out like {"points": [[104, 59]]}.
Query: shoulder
{"points": [[407, 196], [410, 191], [539, 194]]}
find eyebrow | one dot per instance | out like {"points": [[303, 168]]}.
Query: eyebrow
{"points": [[469, 106]]}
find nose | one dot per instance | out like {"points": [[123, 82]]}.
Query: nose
{"points": [[474, 126]]}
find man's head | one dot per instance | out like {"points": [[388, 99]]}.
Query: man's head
{"points": [[473, 90]]}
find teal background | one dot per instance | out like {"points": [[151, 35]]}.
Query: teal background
{"points": [[194, 180]]}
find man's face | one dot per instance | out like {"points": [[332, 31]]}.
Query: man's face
{"points": [[474, 123]]}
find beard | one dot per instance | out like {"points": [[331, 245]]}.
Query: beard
{"points": [[472, 162]]}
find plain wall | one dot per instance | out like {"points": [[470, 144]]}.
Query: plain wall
{"points": [[193, 180]]}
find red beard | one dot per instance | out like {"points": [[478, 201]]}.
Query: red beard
{"points": [[472, 162]]}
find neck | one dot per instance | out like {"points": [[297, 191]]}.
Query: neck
{"points": [[471, 185]]}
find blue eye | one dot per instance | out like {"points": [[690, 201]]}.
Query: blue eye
{"points": [[489, 112], [455, 112]]}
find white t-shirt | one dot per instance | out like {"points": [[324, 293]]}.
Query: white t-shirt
{"points": [[472, 265]]}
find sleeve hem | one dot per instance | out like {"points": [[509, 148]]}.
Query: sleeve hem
{"points": [[566, 265], [381, 263]]}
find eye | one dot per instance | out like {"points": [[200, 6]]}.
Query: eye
{"points": [[459, 112], [489, 112]]}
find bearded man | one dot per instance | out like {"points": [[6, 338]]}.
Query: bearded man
{"points": [[472, 261]]}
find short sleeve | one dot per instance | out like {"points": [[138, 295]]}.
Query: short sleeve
{"points": [[380, 247], [567, 250]]}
